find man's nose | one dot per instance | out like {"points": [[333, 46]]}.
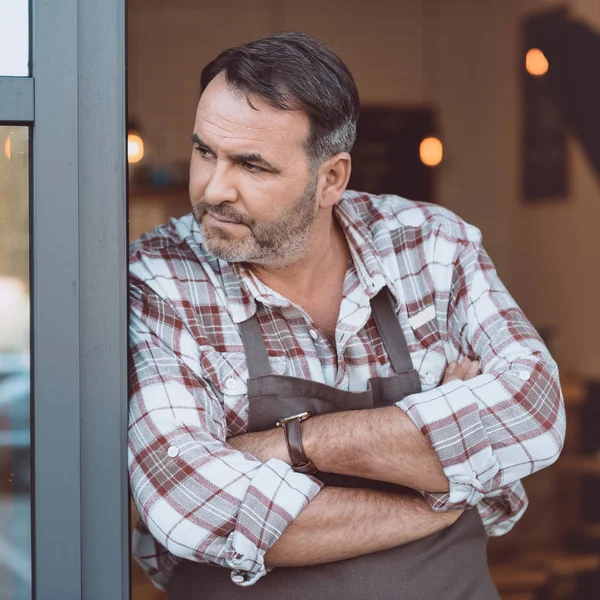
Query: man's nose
{"points": [[221, 186]]}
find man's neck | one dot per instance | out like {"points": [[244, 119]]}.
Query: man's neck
{"points": [[324, 262]]}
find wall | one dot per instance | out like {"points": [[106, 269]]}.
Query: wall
{"points": [[169, 44], [547, 254], [470, 57], [562, 240]]}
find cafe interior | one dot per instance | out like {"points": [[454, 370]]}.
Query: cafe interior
{"points": [[485, 108]]}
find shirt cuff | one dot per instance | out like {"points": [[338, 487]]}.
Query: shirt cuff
{"points": [[275, 497], [449, 417]]}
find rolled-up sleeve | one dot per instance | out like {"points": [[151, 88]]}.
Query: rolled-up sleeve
{"points": [[493, 430], [200, 499]]}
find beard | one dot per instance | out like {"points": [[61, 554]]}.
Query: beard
{"points": [[272, 244]]}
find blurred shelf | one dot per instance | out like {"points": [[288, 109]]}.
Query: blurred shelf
{"points": [[580, 465], [528, 573], [590, 531], [574, 390], [563, 564], [511, 577]]}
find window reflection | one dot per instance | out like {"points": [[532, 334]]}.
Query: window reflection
{"points": [[14, 38], [15, 472]]}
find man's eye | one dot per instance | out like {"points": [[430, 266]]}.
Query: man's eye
{"points": [[204, 153], [252, 168]]}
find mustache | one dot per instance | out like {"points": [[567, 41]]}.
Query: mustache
{"points": [[223, 211]]}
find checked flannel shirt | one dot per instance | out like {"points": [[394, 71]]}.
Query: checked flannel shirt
{"points": [[199, 499]]}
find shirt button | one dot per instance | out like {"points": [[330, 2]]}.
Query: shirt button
{"points": [[230, 384], [429, 378], [237, 579], [173, 451], [525, 375], [313, 334]]}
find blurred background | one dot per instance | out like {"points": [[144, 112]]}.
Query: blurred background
{"points": [[15, 505], [487, 108]]}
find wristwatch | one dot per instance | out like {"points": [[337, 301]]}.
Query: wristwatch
{"points": [[293, 441]]}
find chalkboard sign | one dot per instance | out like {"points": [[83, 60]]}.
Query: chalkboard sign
{"points": [[544, 142], [385, 159]]}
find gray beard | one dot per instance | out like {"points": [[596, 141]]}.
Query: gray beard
{"points": [[274, 245]]}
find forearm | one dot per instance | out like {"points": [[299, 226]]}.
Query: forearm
{"points": [[341, 523], [381, 444]]}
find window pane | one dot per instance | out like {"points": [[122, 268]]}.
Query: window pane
{"points": [[14, 38], [15, 473]]}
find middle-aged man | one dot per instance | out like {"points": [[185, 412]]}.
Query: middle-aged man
{"points": [[292, 434]]}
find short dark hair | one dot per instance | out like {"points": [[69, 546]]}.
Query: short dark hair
{"points": [[291, 71]]}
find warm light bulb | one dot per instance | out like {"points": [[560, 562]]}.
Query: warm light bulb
{"points": [[536, 63], [135, 148], [7, 147], [431, 151]]}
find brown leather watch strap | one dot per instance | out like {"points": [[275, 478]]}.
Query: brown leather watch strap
{"points": [[293, 440]]}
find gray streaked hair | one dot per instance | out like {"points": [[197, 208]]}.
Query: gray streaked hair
{"points": [[291, 71]]}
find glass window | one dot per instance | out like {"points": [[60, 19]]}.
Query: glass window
{"points": [[15, 474], [14, 38]]}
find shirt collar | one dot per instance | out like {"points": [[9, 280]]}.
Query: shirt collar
{"points": [[244, 289], [365, 255]]}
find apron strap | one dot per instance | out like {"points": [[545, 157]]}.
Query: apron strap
{"points": [[257, 358], [391, 332], [386, 321]]}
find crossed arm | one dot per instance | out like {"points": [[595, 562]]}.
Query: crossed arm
{"points": [[474, 438], [358, 522], [385, 444]]}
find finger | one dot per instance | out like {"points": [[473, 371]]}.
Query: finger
{"points": [[449, 375], [462, 368], [472, 371]]}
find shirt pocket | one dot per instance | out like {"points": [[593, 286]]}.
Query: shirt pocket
{"points": [[424, 326]]}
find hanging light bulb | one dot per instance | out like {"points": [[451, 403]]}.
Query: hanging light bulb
{"points": [[135, 148], [536, 62], [431, 151], [7, 147]]}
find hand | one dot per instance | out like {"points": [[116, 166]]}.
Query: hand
{"points": [[262, 444], [464, 370]]}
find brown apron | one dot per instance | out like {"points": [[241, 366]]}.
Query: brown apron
{"points": [[450, 564]]}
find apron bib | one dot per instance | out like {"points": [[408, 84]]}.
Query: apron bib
{"points": [[451, 563]]}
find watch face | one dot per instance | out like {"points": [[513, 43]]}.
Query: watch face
{"points": [[299, 417]]}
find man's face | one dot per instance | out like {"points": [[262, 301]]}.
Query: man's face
{"points": [[252, 189]]}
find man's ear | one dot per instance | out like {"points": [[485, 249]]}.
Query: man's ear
{"points": [[334, 175]]}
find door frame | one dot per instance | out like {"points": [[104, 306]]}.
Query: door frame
{"points": [[75, 104]]}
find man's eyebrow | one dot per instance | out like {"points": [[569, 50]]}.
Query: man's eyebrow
{"points": [[253, 157], [244, 157], [196, 140]]}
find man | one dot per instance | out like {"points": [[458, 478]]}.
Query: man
{"points": [[291, 432]]}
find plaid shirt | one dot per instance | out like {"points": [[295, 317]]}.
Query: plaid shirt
{"points": [[199, 499]]}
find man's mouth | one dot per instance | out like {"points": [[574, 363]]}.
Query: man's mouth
{"points": [[224, 220]]}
